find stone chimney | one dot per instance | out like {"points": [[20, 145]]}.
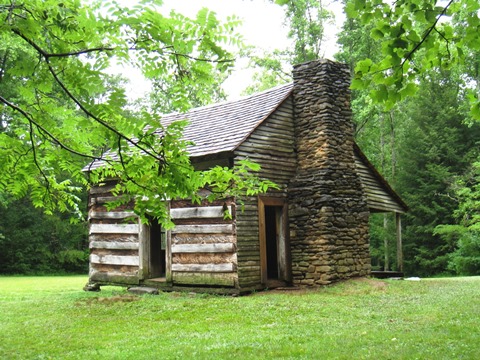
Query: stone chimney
{"points": [[328, 211]]}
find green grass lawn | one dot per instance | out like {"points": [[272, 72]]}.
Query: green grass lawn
{"points": [[52, 318]]}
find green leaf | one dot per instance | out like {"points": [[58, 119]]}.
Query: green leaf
{"points": [[377, 34], [358, 84], [409, 90], [431, 16], [363, 66], [380, 94], [351, 10]]}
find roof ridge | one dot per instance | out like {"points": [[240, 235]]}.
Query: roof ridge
{"points": [[226, 102]]}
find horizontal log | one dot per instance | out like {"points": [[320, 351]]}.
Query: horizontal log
{"points": [[116, 278], [203, 248], [250, 266], [204, 258], [275, 139], [286, 107], [249, 277], [285, 171], [279, 129], [114, 228], [249, 258], [115, 260], [383, 202], [213, 268], [104, 199], [112, 214], [288, 160], [202, 238], [372, 201], [101, 189], [265, 147], [284, 128], [283, 118], [128, 238], [218, 279], [246, 233], [383, 208], [380, 198], [205, 212], [376, 189], [114, 245], [203, 229], [272, 134], [246, 281], [248, 211]]}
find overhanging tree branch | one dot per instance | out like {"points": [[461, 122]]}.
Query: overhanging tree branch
{"points": [[48, 133], [91, 115], [426, 35], [35, 160], [150, 152]]}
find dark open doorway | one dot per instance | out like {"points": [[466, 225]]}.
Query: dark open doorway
{"points": [[274, 245], [157, 253], [271, 239]]}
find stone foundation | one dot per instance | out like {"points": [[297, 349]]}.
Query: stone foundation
{"points": [[328, 211]]}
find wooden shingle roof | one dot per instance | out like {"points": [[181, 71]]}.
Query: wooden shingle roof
{"points": [[224, 126]]}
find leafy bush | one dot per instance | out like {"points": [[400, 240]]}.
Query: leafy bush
{"points": [[466, 259], [35, 243], [73, 261]]}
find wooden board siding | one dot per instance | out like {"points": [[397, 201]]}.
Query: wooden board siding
{"points": [[203, 248], [113, 228], [111, 215], [198, 212], [203, 229], [203, 244], [113, 240], [272, 146], [380, 197]]}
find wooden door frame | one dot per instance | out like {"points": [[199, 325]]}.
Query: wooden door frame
{"points": [[145, 256], [285, 273]]}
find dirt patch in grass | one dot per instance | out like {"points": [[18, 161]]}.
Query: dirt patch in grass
{"points": [[347, 287], [375, 283], [286, 290], [361, 285], [110, 299]]}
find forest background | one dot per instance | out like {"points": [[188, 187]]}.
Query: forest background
{"points": [[418, 122]]}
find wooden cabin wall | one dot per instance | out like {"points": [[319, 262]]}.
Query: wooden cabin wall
{"points": [[378, 199], [203, 244], [272, 146], [113, 240], [248, 244]]}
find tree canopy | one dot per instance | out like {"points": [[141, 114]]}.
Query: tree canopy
{"points": [[417, 36], [415, 106], [306, 21], [61, 109]]}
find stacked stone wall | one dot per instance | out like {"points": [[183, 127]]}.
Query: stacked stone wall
{"points": [[328, 210]]}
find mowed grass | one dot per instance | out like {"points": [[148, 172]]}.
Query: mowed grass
{"points": [[52, 318]]}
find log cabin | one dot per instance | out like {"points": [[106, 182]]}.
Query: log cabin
{"points": [[313, 230]]}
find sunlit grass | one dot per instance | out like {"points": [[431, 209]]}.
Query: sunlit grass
{"points": [[51, 317]]}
